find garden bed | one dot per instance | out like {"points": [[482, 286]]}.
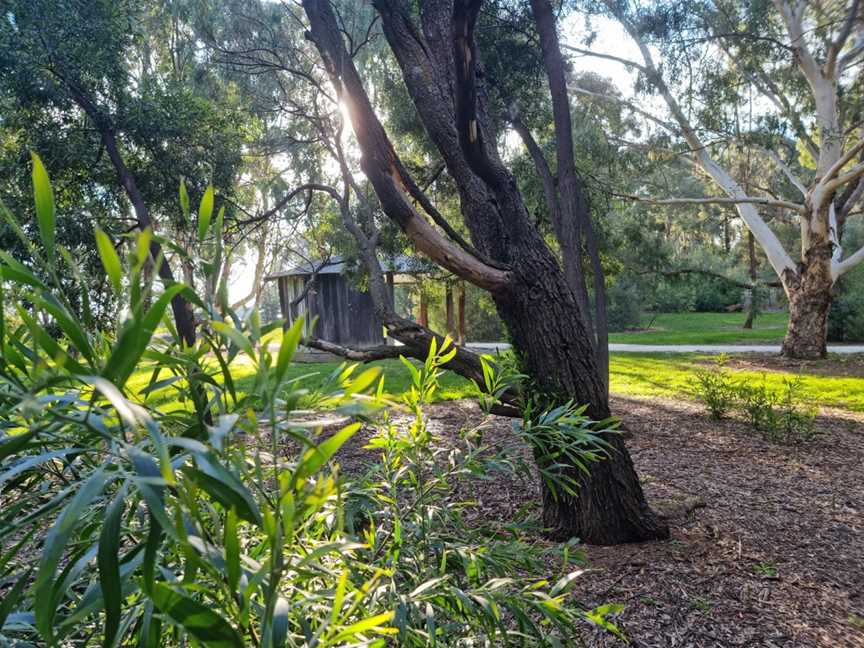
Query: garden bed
{"points": [[775, 557]]}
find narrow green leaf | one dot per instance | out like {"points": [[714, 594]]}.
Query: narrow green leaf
{"points": [[43, 196], [205, 212], [234, 336], [44, 604], [134, 338], [281, 614], [316, 457], [14, 444], [110, 260], [16, 272], [232, 549], [199, 621], [290, 340], [50, 345], [372, 623], [12, 597], [184, 201], [67, 322], [226, 494], [108, 560]]}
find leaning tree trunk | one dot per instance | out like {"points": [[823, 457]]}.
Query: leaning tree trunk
{"points": [[547, 333], [532, 295], [810, 294]]}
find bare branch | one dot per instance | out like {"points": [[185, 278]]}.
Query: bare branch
{"points": [[838, 43], [717, 200], [854, 173], [382, 165], [624, 102], [843, 161], [774, 250], [785, 169], [840, 268], [368, 354], [608, 57]]}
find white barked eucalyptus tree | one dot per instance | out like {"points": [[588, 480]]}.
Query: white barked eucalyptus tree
{"points": [[811, 85]]}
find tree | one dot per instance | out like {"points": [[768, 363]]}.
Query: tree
{"points": [[507, 256], [138, 117], [801, 60]]}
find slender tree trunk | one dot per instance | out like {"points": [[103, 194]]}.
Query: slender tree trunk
{"points": [[461, 312], [751, 253], [424, 308], [810, 294]]}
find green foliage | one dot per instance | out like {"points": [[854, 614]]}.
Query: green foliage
{"points": [[782, 416], [226, 523], [846, 317], [716, 388], [624, 305]]}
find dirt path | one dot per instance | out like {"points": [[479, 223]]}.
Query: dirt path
{"points": [[775, 557]]}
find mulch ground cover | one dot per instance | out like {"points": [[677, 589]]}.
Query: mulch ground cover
{"points": [[767, 544]]}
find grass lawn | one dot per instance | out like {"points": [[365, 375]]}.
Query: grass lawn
{"points": [[827, 382], [706, 328], [836, 382]]}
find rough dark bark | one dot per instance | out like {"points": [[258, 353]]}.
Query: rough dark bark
{"points": [[533, 298], [751, 255], [810, 293]]}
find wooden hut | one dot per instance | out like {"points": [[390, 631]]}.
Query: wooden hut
{"points": [[322, 292]]}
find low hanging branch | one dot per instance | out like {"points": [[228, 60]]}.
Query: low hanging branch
{"points": [[716, 275], [716, 200]]}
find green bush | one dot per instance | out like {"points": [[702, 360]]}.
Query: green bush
{"points": [[846, 317], [716, 388], [226, 522], [758, 403], [783, 417], [623, 305]]}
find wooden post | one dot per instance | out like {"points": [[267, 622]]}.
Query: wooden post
{"points": [[448, 298], [424, 308], [461, 312], [390, 286]]}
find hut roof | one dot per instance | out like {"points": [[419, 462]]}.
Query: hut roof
{"points": [[337, 264]]}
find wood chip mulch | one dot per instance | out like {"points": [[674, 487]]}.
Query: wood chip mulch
{"points": [[767, 545]]}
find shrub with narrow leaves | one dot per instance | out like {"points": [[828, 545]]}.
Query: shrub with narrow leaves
{"points": [[224, 521], [716, 388]]}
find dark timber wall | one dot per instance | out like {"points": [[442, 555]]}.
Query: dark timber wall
{"points": [[345, 316]]}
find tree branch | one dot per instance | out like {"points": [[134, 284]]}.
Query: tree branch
{"points": [[774, 250], [717, 200], [608, 57], [380, 162], [709, 273], [842, 267]]}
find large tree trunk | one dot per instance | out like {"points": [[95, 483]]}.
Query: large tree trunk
{"points": [[532, 296], [810, 294]]}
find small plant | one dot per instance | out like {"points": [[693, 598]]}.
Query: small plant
{"points": [[766, 569], [702, 605], [225, 522], [781, 418], [716, 388], [757, 404], [796, 417]]}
